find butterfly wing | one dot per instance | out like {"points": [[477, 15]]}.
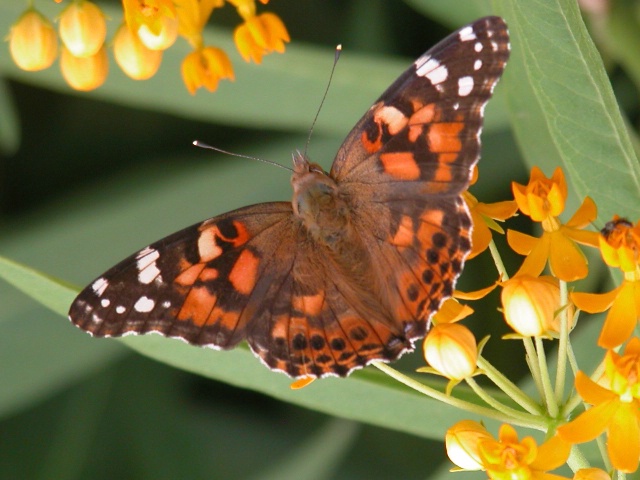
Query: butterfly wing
{"points": [[195, 284], [408, 159], [250, 274]]}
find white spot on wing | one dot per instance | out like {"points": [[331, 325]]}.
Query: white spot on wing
{"points": [[465, 85], [478, 47], [467, 34], [105, 302], [166, 304], [120, 309], [144, 305], [431, 69], [477, 65], [99, 286], [147, 268]]}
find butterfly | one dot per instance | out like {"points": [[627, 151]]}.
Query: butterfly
{"points": [[351, 270]]}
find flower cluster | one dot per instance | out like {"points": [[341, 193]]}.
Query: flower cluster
{"points": [[149, 27], [541, 307]]}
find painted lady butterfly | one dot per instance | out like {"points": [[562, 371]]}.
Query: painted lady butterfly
{"points": [[352, 269]]}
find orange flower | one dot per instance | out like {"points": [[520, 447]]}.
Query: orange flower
{"points": [[483, 218], [619, 246], [83, 28], [511, 459], [154, 21], [204, 68], [32, 42], [471, 447], [260, 35], [543, 200], [616, 410], [84, 73], [136, 60], [531, 305]]}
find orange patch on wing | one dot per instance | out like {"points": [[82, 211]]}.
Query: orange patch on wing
{"points": [[197, 306], [444, 137], [447, 157], [225, 318], [370, 146], [243, 234], [404, 236], [309, 304], [209, 274], [208, 249], [424, 115], [190, 275], [401, 165], [432, 218], [244, 273], [443, 174]]}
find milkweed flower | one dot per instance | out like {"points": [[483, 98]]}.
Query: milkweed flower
{"points": [[507, 457], [259, 34], [543, 199], [33, 42], [616, 408], [462, 441], [484, 217], [205, 67], [619, 247], [133, 57], [591, 474], [83, 28], [154, 21], [531, 305], [84, 73]]}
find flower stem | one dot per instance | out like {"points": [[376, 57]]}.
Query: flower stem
{"points": [[508, 387], [500, 407], [549, 397], [577, 460], [524, 420], [561, 368], [497, 259], [532, 362]]}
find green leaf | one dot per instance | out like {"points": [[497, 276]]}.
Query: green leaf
{"points": [[562, 106]]}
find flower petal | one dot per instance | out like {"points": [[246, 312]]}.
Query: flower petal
{"points": [[594, 302], [498, 210], [586, 214], [537, 258], [589, 424], [552, 454], [622, 318], [566, 260], [521, 242], [623, 442]]}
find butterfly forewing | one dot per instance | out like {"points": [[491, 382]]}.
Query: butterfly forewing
{"points": [[305, 308]]}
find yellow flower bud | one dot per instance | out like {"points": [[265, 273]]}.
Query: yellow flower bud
{"points": [[83, 28], [133, 57], [450, 348], [461, 442], [84, 73], [530, 305], [32, 42]]}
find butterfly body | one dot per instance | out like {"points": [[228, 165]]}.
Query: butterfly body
{"points": [[349, 271]]}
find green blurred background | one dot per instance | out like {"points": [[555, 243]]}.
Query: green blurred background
{"points": [[88, 178]]}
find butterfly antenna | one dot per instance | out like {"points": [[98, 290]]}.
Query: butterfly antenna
{"points": [[333, 69], [198, 143]]}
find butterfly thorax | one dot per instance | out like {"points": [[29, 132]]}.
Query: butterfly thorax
{"points": [[317, 203]]}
